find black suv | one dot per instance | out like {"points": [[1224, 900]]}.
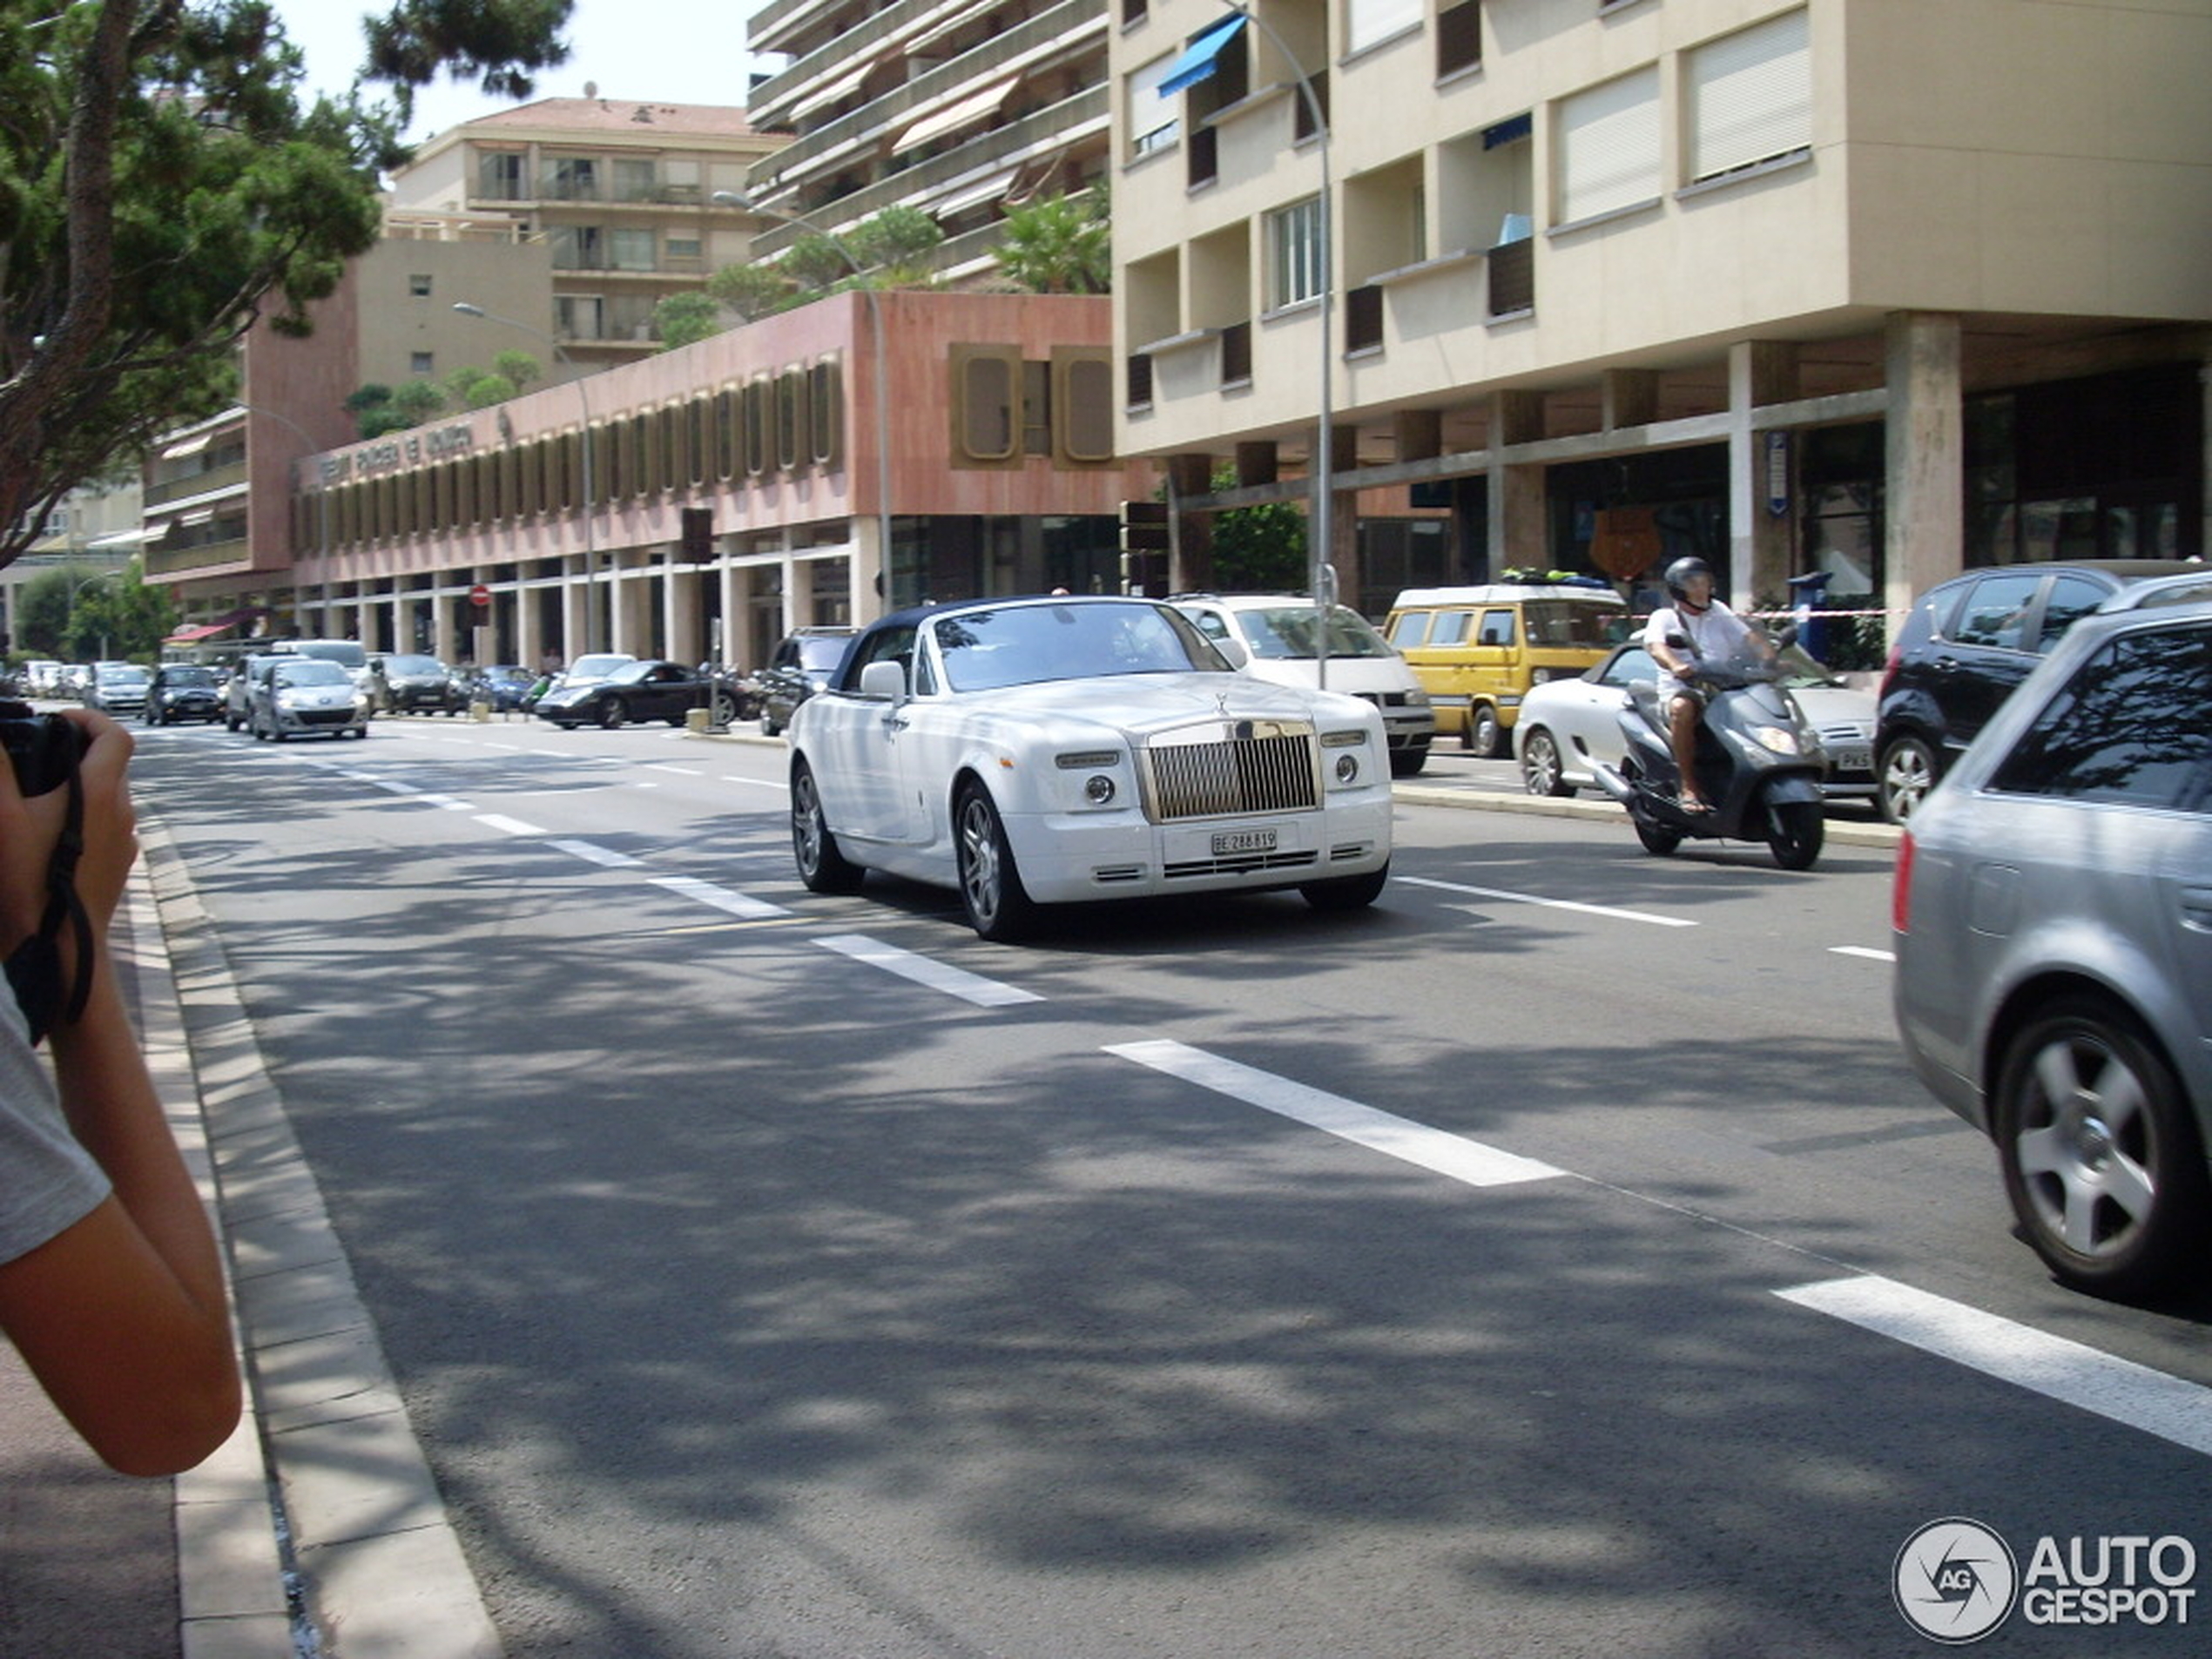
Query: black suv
{"points": [[804, 662], [1964, 647]]}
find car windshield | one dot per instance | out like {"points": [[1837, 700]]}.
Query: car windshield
{"points": [[629, 673], [180, 677], [412, 665], [311, 672], [1285, 631], [124, 677], [1024, 644], [823, 655], [1563, 621]]}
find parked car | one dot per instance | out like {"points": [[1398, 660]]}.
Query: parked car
{"points": [[2053, 932], [652, 690], [117, 688], [1028, 753], [407, 684], [183, 692], [1567, 725], [1964, 647], [41, 676], [296, 697], [502, 686], [1477, 651], [801, 665], [1271, 637], [237, 689]]}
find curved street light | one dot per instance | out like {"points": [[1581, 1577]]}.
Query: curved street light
{"points": [[590, 502], [738, 199]]}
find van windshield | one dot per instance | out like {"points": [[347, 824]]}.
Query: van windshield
{"points": [[1285, 632], [1561, 622]]}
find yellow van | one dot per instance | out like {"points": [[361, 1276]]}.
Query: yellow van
{"points": [[1477, 650]]}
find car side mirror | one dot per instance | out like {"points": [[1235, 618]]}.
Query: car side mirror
{"points": [[883, 682], [1232, 652]]}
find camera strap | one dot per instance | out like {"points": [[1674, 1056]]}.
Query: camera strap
{"points": [[35, 967]]}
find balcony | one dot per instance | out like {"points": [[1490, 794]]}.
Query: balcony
{"points": [[183, 561], [197, 483]]}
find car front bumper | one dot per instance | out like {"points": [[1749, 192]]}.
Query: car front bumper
{"points": [[1070, 858]]}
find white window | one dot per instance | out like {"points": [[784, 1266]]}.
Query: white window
{"points": [[579, 316], [1296, 263], [1366, 23], [633, 250], [1151, 119], [1609, 147], [1750, 97]]}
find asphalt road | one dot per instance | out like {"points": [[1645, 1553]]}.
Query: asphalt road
{"points": [[1556, 1259]]}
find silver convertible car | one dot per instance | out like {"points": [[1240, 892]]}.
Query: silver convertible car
{"points": [[1049, 751]]}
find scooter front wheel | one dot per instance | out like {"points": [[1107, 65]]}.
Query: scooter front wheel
{"points": [[1795, 830]]}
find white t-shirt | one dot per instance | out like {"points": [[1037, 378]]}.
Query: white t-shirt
{"points": [[48, 1181], [1716, 634]]}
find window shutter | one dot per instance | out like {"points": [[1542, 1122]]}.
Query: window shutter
{"points": [[1369, 21], [1609, 147], [1752, 96], [986, 405], [1083, 404]]}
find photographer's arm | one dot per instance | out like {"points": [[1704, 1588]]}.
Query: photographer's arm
{"points": [[121, 1316]]}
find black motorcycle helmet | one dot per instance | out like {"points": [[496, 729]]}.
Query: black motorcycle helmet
{"points": [[1678, 575]]}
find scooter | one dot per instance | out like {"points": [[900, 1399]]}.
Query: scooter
{"points": [[1758, 763]]}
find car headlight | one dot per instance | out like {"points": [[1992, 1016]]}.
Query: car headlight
{"points": [[1347, 767], [1417, 699], [1780, 740]]}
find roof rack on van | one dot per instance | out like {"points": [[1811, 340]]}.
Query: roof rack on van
{"points": [[1499, 592]]}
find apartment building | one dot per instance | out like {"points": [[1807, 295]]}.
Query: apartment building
{"points": [[958, 109], [1881, 288], [863, 452], [622, 194]]}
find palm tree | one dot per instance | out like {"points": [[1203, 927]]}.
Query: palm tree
{"points": [[1060, 245]]}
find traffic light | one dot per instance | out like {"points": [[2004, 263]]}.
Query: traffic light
{"points": [[1144, 527]]}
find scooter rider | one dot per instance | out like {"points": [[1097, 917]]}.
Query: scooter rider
{"points": [[1716, 634]]}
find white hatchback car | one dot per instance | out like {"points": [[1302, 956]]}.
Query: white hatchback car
{"points": [[1051, 751]]}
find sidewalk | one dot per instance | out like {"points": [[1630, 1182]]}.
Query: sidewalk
{"points": [[326, 1465]]}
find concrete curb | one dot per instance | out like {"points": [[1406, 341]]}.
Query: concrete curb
{"points": [[380, 1570]]}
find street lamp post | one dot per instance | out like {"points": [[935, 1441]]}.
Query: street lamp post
{"points": [[1319, 572], [590, 503], [734, 198]]}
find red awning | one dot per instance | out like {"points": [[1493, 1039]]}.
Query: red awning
{"points": [[201, 631]]}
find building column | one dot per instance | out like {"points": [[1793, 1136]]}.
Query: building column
{"points": [[1924, 532], [529, 636], [575, 612], [1518, 516], [683, 613], [445, 636], [869, 588], [1760, 372], [1189, 560]]}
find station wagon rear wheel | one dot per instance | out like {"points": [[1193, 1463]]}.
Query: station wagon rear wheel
{"points": [[990, 886], [2100, 1155], [821, 866], [1903, 777]]}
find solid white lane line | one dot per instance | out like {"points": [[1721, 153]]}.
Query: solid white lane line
{"points": [[681, 771], [452, 803], [509, 825], [1400, 1138], [594, 855], [1866, 951], [757, 783], [738, 904], [1549, 904], [922, 970], [2132, 1395]]}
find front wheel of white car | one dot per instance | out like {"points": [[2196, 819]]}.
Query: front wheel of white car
{"points": [[1346, 892], [998, 907]]}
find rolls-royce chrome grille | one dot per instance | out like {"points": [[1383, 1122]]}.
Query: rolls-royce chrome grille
{"points": [[1256, 766]]}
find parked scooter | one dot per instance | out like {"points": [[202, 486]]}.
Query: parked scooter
{"points": [[1758, 763]]}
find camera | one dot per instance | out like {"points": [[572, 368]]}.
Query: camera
{"points": [[44, 747]]}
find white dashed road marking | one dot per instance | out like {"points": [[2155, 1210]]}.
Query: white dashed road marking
{"points": [[938, 976], [592, 853], [738, 904], [2133, 1395], [1866, 952], [1549, 904], [509, 826], [1400, 1138]]}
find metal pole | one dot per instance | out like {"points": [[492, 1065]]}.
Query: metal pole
{"points": [[590, 501], [733, 198]]}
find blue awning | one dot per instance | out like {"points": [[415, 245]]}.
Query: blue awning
{"points": [[1198, 59]]}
